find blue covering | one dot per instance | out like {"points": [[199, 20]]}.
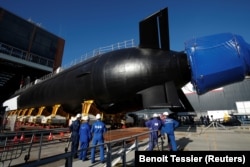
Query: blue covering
{"points": [[217, 60]]}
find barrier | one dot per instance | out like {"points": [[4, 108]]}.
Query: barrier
{"points": [[20, 144], [113, 156]]}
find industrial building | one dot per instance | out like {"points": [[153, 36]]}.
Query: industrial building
{"points": [[27, 52]]}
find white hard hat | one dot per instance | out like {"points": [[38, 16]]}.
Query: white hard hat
{"points": [[98, 116], [78, 116], [85, 118], [165, 113], [155, 115]]}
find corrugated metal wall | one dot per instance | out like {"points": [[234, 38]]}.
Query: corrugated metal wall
{"points": [[223, 99]]}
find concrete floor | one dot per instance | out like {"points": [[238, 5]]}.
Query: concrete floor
{"points": [[188, 139]]}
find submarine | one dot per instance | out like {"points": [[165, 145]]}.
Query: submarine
{"points": [[148, 76]]}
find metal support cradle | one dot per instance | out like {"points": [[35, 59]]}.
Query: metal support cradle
{"points": [[213, 124]]}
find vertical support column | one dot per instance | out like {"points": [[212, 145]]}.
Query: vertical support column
{"points": [[30, 111], [69, 161], [86, 106], [40, 111], [136, 143], [55, 109], [124, 154], [17, 112], [109, 159]]}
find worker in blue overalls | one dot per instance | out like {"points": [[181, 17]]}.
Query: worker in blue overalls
{"points": [[168, 127], [74, 129], [154, 126], [85, 138], [98, 129]]}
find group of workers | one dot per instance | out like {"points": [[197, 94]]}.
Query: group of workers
{"points": [[82, 133], [166, 126]]}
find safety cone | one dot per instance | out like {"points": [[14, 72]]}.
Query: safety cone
{"points": [[50, 137], [34, 139], [22, 138], [61, 134], [15, 140]]}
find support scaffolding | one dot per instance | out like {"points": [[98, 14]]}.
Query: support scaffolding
{"points": [[213, 124]]}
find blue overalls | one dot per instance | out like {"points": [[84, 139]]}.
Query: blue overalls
{"points": [[153, 125], [85, 138], [168, 127], [98, 129], [74, 128]]}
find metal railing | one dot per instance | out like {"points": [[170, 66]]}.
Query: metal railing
{"points": [[120, 45], [13, 146], [113, 155], [24, 55]]}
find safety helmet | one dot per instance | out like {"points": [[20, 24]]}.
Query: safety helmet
{"points": [[78, 116], [155, 115], [98, 116], [165, 113], [85, 118]]}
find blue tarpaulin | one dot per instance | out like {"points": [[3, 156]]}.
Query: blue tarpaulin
{"points": [[217, 60]]}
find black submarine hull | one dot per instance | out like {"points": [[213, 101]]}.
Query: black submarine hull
{"points": [[148, 76], [109, 79]]}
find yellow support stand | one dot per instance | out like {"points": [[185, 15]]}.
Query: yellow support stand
{"points": [[86, 106], [19, 112], [14, 112], [55, 109], [30, 111], [40, 111], [24, 111]]}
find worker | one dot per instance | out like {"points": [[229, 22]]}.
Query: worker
{"points": [[98, 129], [85, 138], [74, 129], [154, 125], [168, 128]]}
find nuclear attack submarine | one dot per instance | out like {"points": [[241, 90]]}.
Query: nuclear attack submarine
{"points": [[148, 76]]}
